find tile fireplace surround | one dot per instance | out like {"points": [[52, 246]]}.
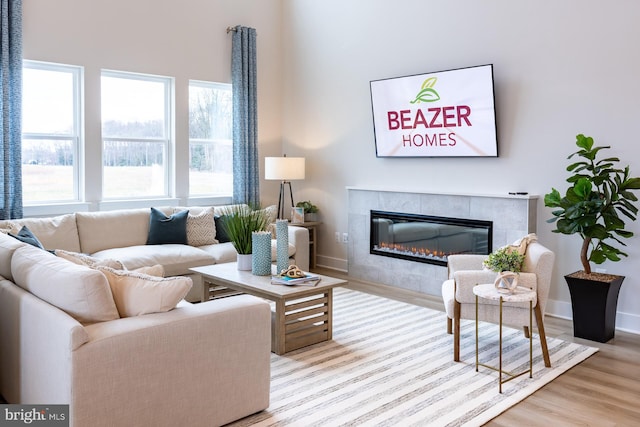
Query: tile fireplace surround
{"points": [[512, 216]]}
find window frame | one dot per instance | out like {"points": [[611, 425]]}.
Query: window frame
{"points": [[76, 136], [168, 140], [215, 85]]}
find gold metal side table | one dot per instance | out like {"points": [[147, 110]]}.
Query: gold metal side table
{"points": [[519, 294]]}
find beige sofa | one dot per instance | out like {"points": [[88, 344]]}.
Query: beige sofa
{"points": [[122, 235], [63, 340]]}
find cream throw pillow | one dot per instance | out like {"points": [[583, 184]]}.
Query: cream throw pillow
{"points": [[201, 228], [136, 294], [155, 270], [82, 292]]}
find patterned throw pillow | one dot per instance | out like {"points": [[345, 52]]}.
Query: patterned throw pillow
{"points": [[201, 228], [89, 261]]}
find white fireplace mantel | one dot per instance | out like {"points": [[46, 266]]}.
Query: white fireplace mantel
{"points": [[513, 216]]}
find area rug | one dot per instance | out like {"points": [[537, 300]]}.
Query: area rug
{"points": [[391, 364]]}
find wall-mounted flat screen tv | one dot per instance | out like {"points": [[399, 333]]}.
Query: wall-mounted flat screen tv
{"points": [[441, 114]]}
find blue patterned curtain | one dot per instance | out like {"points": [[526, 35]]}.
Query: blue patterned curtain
{"points": [[11, 109], [246, 176]]}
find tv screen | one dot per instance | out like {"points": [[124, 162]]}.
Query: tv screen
{"points": [[441, 114]]}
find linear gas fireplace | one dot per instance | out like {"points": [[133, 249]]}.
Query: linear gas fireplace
{"points": [[428, 239]]}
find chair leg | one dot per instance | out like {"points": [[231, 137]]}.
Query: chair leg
{"points": [[526, 332], [543, 337], [449, 326], [456, 331]]}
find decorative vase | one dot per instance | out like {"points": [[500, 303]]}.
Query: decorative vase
{"points": [[244, 262], [594, 305], [261, 248], [282, 244], [310, 217], [506, 282]]}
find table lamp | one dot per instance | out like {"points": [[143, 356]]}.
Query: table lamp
{"points": [[285, 169]]}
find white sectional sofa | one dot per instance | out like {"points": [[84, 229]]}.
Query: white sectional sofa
{"points": [[122, 235], [132, 355], [63, 341]]}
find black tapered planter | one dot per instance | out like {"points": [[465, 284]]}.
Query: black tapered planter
{"points": [[594, 307]]}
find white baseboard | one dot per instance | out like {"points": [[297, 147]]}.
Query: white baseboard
{"points": [[625, 322], [332, 263]]}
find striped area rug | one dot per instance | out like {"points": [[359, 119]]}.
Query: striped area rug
{"points": [[390, 364]]}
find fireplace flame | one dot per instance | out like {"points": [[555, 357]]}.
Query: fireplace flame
{"points": [[411, 251]]}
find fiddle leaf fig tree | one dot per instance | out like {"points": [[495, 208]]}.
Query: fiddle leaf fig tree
{"points": [[596, 204]]}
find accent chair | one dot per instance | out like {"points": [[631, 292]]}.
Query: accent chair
{"points": [[466, 271]]}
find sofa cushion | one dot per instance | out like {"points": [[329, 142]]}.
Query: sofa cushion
{"points": [[221, 253], [201, 227], [112, 229], [8, 246], [136, 294], [78, 290], [176, 259], [26, 236], [89, 261], [169, 229], [59, 232], [274, 250]]}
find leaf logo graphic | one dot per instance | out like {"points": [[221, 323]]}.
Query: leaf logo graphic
{"points": [[427, 92]]}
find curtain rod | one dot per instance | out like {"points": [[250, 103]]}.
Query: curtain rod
{"points": [[229, 29]]}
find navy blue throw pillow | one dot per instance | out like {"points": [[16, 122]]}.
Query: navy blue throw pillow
{"points": [[221, 234], [167, 229], [25, 235]]}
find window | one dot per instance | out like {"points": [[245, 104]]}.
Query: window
{"points": [[136, 155], [210, 139], [51, 135]]}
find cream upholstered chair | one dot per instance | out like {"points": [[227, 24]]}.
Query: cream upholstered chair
{"points": [[466, 271]]}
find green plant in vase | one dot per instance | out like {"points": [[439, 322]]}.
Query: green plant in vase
{"points": [[504, 259], [595, 207], [507, 262], [310, 210], [239, 221]]}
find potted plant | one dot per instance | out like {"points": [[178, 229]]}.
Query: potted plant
{"points": [[238, 222], [310, 210], [595, 207], [507, 262]]}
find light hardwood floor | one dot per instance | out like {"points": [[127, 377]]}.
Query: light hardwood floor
{"points": [[604, 390]]}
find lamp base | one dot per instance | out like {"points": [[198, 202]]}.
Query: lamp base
{"points": [[281, 199]]}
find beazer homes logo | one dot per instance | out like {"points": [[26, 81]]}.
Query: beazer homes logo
{"points": [[431, 126]]}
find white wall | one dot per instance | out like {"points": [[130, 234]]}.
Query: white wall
{"points": [[560, 68], [185, 40]]}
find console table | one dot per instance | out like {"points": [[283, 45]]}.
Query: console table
{"points": [[313, 245]]}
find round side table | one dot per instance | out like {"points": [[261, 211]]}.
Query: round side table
{"points": [[519, 294]]}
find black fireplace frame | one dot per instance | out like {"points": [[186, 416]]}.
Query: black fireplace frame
{"points": [[471, 223]]}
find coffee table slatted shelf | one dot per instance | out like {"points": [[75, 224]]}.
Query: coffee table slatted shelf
{"points": [[301, 314]]}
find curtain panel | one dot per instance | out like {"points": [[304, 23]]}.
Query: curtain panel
{"points": [[11, 109], [246, 176]]}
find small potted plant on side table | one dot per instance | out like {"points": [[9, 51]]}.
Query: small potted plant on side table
{"points": [[507, 262], [310, 210]]}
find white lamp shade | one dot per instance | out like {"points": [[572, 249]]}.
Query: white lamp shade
{"points": [[284, 168]]}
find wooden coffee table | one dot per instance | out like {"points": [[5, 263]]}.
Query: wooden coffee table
{"points": [[303, 314]]}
